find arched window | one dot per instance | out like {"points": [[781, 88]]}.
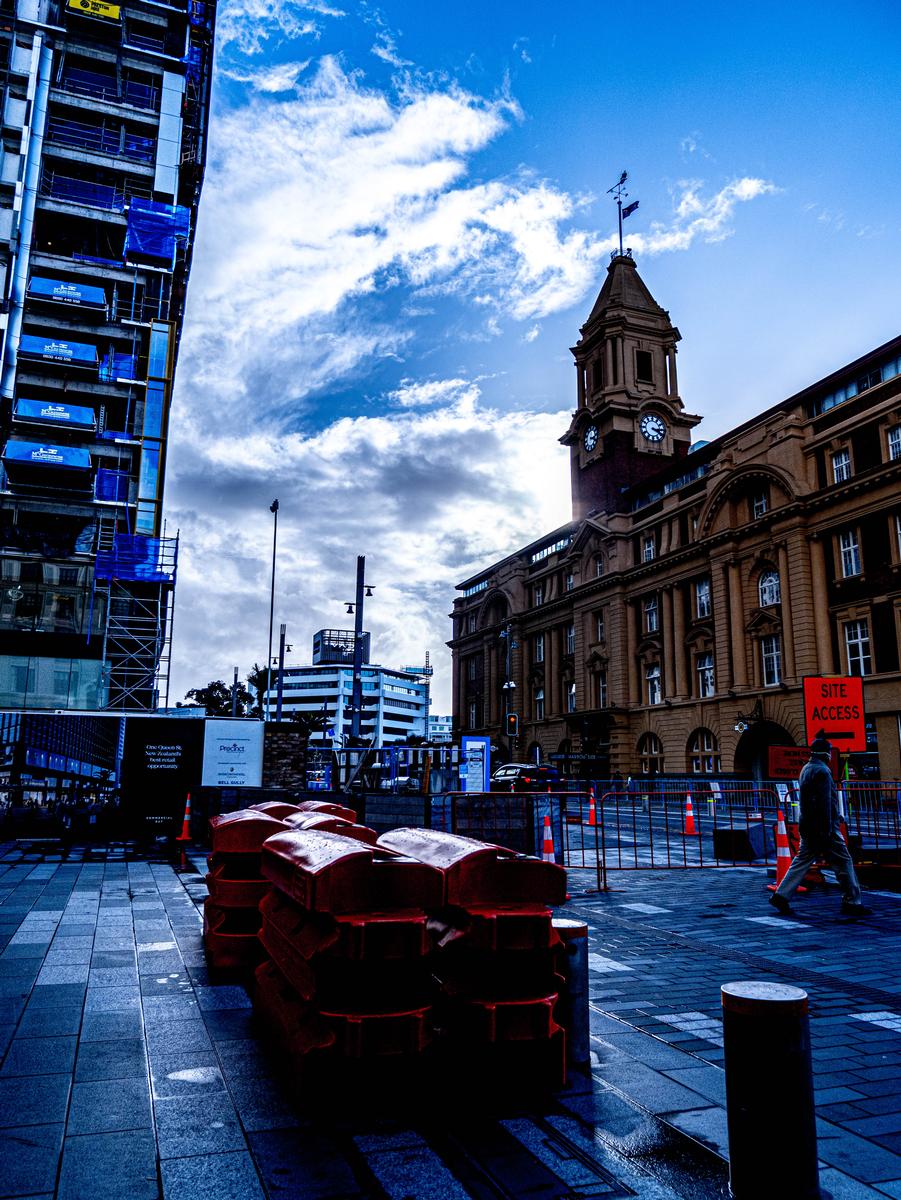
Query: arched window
{"points": [[534, 753], [768, 589], [703, 753], [650, 754]]}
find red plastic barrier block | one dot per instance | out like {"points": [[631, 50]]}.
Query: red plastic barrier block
{"points": [[381, 1034], [310, 933], [521, 1019], [274, 808], [230, 936], [463, 861], [235, 882], [242, 832], [515, 927], [403, 883], [291, 963], [332, 824], [478, 873], [519, 879], [373, 937], [323, 872], [290, 1024], [326, 806]]}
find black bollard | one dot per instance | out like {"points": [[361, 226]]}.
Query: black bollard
{"points": [[769, 1087]]}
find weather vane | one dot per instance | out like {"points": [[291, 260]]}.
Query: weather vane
{"points": [[619, 191]]}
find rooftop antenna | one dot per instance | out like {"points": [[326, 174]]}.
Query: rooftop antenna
{"points": [[619, 191]]}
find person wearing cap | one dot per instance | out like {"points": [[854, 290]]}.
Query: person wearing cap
{"points": [[820, 834]]}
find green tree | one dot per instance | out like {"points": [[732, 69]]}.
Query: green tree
{"points": [[216, 698], [256, 681]]}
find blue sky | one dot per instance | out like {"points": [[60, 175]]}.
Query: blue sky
{"points": [[404, 223]]}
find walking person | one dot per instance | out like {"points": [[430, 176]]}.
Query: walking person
{"points": [[820, 834]]}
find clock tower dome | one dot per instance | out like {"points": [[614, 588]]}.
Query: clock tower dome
{"points": [[629, 421]]}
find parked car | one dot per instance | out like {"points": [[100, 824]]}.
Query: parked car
{"points": [[524, 777]]}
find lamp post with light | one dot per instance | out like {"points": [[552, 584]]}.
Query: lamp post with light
{"points": [[273, 508], [356, 607]]}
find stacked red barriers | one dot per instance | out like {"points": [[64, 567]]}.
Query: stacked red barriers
{"points": [[231, 917], [425, 948]]}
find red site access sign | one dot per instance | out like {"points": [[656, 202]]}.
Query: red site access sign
{"points": [[834, 704]]}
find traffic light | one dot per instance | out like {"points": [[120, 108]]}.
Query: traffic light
{"points": [[512, 725]]}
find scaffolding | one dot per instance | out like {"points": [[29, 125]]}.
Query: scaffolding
{"points": [[136, 574]]}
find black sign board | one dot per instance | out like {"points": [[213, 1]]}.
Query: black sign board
{"points": [[162, 762]]}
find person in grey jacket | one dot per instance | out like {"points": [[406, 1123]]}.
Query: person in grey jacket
{"points": [[820, 834]]}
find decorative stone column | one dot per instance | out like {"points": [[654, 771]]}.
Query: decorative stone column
{"points": [[669, 679], [821, 620], [679, 640], [634, 696], [788, 633], [736, 627]]}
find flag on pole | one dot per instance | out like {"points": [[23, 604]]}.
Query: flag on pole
{"points": [[629, 209]]}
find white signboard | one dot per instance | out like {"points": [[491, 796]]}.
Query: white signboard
{"points": [[232, 753], [475, 770]]}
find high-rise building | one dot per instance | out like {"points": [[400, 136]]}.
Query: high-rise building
{"points": [[105, 112]]}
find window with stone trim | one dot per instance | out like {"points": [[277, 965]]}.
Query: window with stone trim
{"points": [[769, 589], [601, 624], [601, 689], [651, 615], [538, 648], [703, 753], [650, 754], [858, 648], [653, 691], [705, 674], [760, 503], [771, 659], [841, 465], [644, 366], [538, 705], [894, 442], [570, 639], [571, 698], [703, 603], [473, 714], [648, 547], [849, 550]]}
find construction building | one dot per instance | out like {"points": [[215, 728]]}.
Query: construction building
{"points": [[669, 626], [105, 111]]}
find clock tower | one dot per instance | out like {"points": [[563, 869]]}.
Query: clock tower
{"points": [[629, 422]]}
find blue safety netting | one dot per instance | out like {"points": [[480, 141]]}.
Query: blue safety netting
{"points": [[111, 485], [117, 366], [62, 292], [133, 556], [74, 416], [39, 454], [77, 354], [154, 229]]}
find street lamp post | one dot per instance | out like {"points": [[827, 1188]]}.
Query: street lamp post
{"points": [[273, 508], [509, 685], [356, 699]]}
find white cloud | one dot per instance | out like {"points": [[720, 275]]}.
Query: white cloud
{"points": [[413, 394], [428, 495], [321, 196], [281, 77], [249, 25]]}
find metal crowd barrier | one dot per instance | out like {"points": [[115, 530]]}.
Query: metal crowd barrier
{"points": [[667, 824]]}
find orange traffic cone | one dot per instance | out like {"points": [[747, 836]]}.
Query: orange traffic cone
{"points": [[783, 853], [592, 807], [185, 835], [547, 845], [689, 830]]}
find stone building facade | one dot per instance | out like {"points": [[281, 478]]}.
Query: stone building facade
{"points": [[669, 626]]}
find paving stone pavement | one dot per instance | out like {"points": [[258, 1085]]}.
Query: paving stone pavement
{"points": [[127, 1072]]}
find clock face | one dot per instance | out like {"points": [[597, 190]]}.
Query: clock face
{"points": [[590, 438], [652, 427]]}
